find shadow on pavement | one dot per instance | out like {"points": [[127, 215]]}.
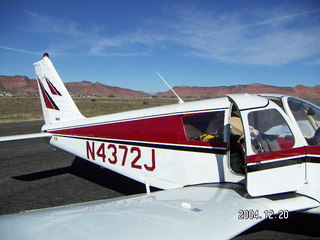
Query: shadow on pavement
{"points": [[93, 173]]}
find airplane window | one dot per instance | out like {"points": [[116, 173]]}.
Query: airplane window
{"points": [[269, 131], [205, 126], [277, 101], [308, 119]]}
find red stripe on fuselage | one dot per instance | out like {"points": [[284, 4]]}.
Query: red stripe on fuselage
{"points": [[168, 129], [313, 150], [289, 153]]}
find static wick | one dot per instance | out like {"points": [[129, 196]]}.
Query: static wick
{"points": [[180, 100]]}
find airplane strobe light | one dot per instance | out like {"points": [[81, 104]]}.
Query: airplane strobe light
{"points": [[217, 161]]}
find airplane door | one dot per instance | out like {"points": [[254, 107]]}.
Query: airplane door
{"points": [[274, 153], [307, 117]]}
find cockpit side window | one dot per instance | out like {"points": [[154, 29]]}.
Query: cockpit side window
{"points": [[269, 131], [204, 126], [308, 119], [277, 101]]}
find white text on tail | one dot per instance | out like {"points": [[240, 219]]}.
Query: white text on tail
{"points": [[57, 104]]}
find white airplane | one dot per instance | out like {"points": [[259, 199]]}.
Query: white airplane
{"points": [[225, 165]]}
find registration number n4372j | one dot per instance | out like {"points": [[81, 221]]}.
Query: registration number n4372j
{"points": [[120, 154]]}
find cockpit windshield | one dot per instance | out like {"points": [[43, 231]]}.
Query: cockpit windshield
{"points": [[308, 118]]}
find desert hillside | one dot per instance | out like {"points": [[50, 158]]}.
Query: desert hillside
{"points": [[23, 86], [300, 91]]}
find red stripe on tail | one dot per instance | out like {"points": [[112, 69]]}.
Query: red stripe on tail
{"points": [[52, 88], [47, 99]]}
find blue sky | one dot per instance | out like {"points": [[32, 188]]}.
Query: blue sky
{"points": [[191, 43]]}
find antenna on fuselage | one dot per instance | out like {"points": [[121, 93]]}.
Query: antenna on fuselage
{"points": [[180, 100]]}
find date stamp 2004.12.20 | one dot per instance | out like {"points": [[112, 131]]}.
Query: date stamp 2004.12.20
{"points": [[244, 214]]}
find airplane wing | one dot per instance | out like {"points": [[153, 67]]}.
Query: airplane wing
{"points": [[212, 211], [24, 136]]}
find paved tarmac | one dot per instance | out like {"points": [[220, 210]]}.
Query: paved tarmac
{"points": [[33, 175]]}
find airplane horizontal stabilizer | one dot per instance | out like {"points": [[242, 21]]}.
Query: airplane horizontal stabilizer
{"points": [[24, 136]]}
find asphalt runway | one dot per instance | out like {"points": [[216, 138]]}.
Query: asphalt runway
{"points": [[33, 175]]}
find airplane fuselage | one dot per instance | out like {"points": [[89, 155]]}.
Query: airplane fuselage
{"points": [[151, 145], [257, 140]]}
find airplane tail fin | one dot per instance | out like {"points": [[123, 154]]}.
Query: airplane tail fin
{"points": [[57, 104]]}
